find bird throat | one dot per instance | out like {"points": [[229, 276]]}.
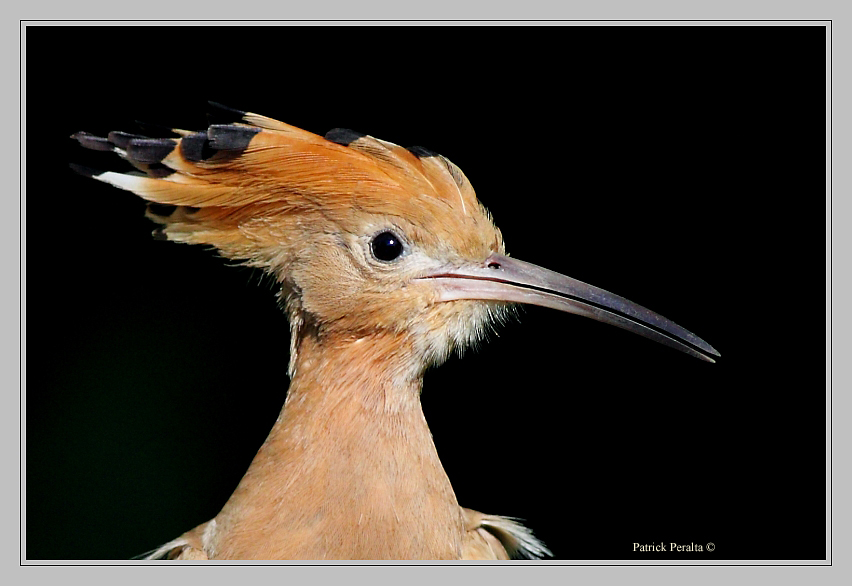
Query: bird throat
{"points": [[349, 470]]}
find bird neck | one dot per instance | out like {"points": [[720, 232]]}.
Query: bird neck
{"points": [[350, 455], [378, 372]]}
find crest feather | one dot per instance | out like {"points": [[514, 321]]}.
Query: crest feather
{"points": [[248, 166]]}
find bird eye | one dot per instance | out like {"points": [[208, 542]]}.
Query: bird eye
{"points": [[386, 246]]}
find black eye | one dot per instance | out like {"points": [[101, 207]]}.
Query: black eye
{"points": [[386, 246]]}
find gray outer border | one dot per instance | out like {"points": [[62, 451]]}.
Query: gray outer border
{"points": [[548, 570]]}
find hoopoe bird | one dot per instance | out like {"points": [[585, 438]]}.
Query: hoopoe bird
{"points": [[387, 263]]}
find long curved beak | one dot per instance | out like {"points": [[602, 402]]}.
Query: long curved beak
{"points": [[501, 278]]}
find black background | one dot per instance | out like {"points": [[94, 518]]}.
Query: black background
{"points": [[683, 168]]}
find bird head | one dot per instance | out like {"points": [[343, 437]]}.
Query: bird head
{"points": [[365, 237]]}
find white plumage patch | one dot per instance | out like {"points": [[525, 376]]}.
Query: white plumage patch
{"points": [[518, 540]]}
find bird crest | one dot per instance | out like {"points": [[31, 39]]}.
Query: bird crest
{"points": [[225, 186]]}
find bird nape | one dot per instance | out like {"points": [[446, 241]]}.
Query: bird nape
{"points": [[387, 263]]}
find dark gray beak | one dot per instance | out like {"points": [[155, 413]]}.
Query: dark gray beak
{"points": [[501, 278]]}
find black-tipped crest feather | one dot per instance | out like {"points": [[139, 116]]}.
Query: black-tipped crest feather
{"points": [[92, 142], [150, 150], [122, 139], [421, 152], [196, 147], [84, 171], [229, 137], [220, 114], [343, 136]]}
